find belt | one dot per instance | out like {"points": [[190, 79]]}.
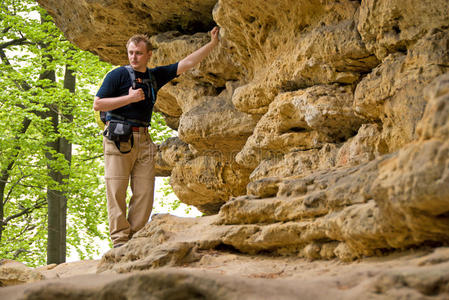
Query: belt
{"points": [[137, 129]]}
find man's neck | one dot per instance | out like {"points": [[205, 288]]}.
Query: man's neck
{"points": [[141, 70]]}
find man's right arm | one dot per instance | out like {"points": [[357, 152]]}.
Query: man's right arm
{"points": [[108, 104]]}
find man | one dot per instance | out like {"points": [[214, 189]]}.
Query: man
{"points": [[117, 97]]}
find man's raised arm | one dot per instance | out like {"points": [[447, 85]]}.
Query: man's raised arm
{"points": [[194, 58]]}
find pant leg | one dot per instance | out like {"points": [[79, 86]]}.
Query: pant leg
{"points": [[142, 184], [118, 168]]}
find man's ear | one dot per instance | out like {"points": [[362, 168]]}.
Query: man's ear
{"points": [[150, 52]]}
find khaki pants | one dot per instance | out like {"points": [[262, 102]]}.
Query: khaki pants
{"points": [[136, 166]]}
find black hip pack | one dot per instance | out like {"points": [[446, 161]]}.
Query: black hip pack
{"points": [[119, 131]]}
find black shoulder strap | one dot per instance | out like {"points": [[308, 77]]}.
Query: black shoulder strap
{"points": [[152, 86], [152, 81], [132, 75]]}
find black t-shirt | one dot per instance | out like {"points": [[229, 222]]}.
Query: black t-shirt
{"points": [[117, 83]]}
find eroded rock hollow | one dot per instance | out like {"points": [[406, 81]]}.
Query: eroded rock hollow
{"points": [[317, 128]]}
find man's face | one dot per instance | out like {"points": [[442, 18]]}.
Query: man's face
{"points": [[138, 56]]}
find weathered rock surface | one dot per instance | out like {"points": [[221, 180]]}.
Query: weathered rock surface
{"points": [[289, 79], [302, 120], [390, 26], [69, 269], [219, 275], [216, 125], [14, 273], [301, 162], [393, 92], [393, 201], [209, 181], [171, 152], [104, 26], [316, 129]]}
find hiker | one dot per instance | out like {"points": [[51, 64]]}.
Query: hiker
{"points": [[127, 95]]}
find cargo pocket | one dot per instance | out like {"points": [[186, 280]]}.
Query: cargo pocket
{"points": [[148, 150]]}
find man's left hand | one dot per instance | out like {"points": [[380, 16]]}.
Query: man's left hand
{"points": [[214, 34]]}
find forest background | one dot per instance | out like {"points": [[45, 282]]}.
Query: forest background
{"points": [[52, 195]]}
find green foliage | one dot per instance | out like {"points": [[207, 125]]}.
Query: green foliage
{"points": [[30, 48], [167, 202], [167, 192], [159, 131]]}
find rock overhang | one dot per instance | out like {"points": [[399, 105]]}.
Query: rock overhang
{"points": [[326, 103]]}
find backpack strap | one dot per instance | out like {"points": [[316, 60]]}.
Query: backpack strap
{"points": [[151, 85], [132, 75]]}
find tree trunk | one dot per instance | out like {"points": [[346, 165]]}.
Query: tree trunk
{"points": [[53, 196], [57, 199], [65, 147]]}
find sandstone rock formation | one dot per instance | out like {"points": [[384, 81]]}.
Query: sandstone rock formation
{"points": [[316, 129], [14, 273]]}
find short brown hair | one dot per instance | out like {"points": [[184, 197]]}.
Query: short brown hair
{"points": [[137, 38]]}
